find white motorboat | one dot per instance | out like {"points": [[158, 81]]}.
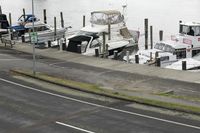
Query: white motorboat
{"points": [[186, 44], [111, 23], [44, 32]]}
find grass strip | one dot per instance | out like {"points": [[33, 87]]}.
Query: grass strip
{"points": [[90, 88]]}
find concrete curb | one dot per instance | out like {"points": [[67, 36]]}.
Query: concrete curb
{"points": [[116, 95]]}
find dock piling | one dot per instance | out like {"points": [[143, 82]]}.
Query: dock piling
{"points": [[161, 35], [184, 65], [146, 32], [109, 32], [158, 62], [137, 59], [79, 49], [23, 38], [180, 27], [104, 43], [64, 44], [49, 44], [10, 19], [151, 56], [55, 28], [0, 10], [96, 52], [115, 55], [127, 56], [156, 55], [151, 36], [107, 52], [83, 20], [24, 13], [45, 16], [62, 20]]}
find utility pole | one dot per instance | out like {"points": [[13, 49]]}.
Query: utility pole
{"points": [[33, 41]]}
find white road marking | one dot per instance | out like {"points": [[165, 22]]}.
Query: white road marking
{"points": [[77, 128], [97, 105]]}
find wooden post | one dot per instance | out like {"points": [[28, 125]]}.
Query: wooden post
{"points": [[23, 38], [151, 56], [10, 19], [151, 36], [49, 44], [146, 32], [62, 20], [24, 13], [184, 65], [0, 10], [161, 35], [96, 52], [11, 35], [104, 43], [64, 44], [137, 59], [115, 55], [55, 28], [83, 20], [79, 49], [156, 55], [158, 63], [109, 31], [127, 56], [180, 27], [45, 16], [107, 51]]}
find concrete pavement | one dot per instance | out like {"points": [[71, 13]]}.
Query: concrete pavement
{"points": [[131, 79]]}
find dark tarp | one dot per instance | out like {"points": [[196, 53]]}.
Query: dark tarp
{"points": [[77, 40], [3, 21]]}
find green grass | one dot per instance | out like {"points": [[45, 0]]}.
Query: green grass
{"points": [[196, 99], [111, 93]]}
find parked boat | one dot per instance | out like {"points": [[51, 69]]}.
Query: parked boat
{"points": [[44, 32], [18, 28], [90, 37], [186, 44]]}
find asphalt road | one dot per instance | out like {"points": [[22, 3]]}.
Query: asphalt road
{"points": [[28, 108]]}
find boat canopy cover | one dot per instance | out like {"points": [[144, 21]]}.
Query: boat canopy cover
{"points": [[106, 17]]}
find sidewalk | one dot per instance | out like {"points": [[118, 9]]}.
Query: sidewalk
{"points": [[148, 73], [113, 64]]}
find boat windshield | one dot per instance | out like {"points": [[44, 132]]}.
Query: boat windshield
{"points": [[190, 30], [169, 49], [159, 46]]}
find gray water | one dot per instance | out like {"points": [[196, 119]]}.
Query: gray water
{"points": [[162, 14]]}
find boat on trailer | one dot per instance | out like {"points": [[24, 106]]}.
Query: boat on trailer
{"points": [[109, 22], [186, 44]]}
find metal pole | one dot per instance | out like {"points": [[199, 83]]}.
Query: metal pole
{"points": [[33, 41]]}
